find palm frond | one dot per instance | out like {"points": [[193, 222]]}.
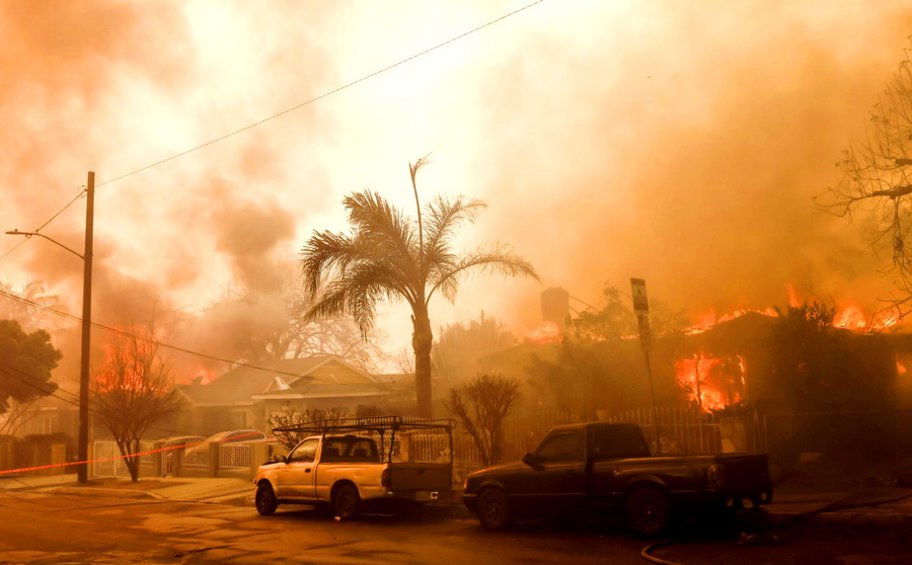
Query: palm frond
{"points": [[383, 226], [357, 290], [443, 218], [325, 252], [498, 260]]}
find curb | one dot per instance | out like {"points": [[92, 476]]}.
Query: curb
{"points": [[109, 492]]}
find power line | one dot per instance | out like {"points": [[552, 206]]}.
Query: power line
{"points": [[324, 95], [285, 111], [159, 343], [45, 224]]}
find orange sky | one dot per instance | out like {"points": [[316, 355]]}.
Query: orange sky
{"points": [[610, 140]]}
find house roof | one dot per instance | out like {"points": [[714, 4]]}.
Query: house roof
{"points": [[282, 378]]}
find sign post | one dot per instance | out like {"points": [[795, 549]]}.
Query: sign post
{"points": [[641, 310]]}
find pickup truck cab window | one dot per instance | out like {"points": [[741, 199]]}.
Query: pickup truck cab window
{"points": [[305, 451], [615, 442], [561, 446], [350, 449]]}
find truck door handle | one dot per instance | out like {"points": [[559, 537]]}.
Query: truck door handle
{"points": [[307, 470]]}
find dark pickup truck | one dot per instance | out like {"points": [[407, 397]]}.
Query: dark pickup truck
{"points": [[600, 465]]}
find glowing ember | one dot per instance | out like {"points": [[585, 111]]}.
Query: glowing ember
{"points": [[900, 368], [712, 382], [547, 332]]}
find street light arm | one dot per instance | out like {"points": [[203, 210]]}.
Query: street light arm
{"points": [[54, 241]]}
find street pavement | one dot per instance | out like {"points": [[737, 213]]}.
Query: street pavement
{"points": [[880, 505]]}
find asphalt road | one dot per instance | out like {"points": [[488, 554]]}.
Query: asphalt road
{"points": [[48, 528]]}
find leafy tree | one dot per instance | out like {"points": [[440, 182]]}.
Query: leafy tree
{"points": [[134, 390], [816, 367], [461, 345], [389, 256], [828, 388], [481, 406], [26, 362], [877, 179]]}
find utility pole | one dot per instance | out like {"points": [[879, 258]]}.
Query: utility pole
{"points": [[83, 468]]}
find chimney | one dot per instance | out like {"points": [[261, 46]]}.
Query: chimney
{"points": [[555, 305]]}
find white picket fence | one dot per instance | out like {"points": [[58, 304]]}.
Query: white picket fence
{"points": [[108, 462], [235, 456]]}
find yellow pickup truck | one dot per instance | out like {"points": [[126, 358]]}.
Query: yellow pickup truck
{"points": [[347, 464]]}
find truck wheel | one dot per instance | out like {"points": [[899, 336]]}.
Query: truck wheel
{"points": [[648, 511], [494, 509], [266, 502], [346, 503]]}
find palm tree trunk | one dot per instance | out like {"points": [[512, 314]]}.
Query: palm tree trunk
{"points": [[422, 338]]}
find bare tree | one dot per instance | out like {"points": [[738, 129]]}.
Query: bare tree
{"points": [[260, 326], [27, 305], [877, 180], [481, 406], [134, 390], [290, 418]]}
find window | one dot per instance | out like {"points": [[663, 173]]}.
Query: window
{"points": [[304, 452], [614, 441], [561, 446]]}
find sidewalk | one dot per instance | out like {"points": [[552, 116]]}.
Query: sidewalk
{"points": [[222, 490]]}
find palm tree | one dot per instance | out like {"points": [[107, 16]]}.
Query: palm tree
{"points": [[389, 256]]}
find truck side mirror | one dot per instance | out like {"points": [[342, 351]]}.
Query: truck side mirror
{"points": [[530, 460]]}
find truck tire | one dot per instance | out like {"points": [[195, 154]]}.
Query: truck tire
{"points": [[648, 510], [493, 508], [346, 503], [266, 502]]}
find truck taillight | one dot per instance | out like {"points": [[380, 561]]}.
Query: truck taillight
{"points": [[715, 475], [385, 478]]}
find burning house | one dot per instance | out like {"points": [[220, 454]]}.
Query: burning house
{"points": [[813, 386]]}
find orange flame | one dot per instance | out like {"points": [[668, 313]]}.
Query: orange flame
{"points": [[852, 317], [712, 382], [709, 319], [547, 332]]}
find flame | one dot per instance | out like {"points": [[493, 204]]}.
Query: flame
{"points": [[127, 360], [852, 317], [712, 382], [900, 368], [547, 332], [204, 374], [794, 300], [709, 319]]}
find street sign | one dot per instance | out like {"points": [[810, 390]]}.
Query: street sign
{"points": [[641, 309], [640, 301]]}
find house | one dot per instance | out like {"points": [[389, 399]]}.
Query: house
{"points": [[246, 396]]}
